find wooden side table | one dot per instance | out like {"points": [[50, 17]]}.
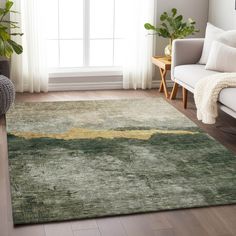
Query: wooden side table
{"points": [[164, 64]]}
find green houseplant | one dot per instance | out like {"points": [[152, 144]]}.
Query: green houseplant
{"points": [[172, 27], [7, 45]]}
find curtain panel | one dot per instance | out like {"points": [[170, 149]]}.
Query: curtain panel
{"points": [[29, 70], [137, 70]]}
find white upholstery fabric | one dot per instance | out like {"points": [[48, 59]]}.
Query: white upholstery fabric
{"points": [[228, 38], [191, 74], [222, 58], [228, 98], [181, 55], [212, 33], [228, 111], [185, 72]]}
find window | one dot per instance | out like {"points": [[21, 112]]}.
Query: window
{"points": [[85, 33]]}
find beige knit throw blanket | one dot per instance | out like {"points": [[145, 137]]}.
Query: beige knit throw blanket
{"points": [[206, 94]]}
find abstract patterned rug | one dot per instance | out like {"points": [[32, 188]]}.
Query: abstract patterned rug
{"points": [[76, 160]]}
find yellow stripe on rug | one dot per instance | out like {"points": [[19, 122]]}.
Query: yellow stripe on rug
{"points": [[79, 133]]}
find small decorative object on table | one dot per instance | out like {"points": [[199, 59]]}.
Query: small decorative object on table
{"points": [[173, 27], [164, 64]]}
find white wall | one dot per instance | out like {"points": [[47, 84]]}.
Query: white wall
{"points": [[2, 2], [222, 13]]}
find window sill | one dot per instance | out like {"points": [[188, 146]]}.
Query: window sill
{"points": [[85, 72]]}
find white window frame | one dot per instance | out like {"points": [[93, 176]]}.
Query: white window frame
{"points": [[86, 70]]}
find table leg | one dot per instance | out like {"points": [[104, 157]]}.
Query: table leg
{"points": [[161, 89], [185, 97], [163, 79], [174, 91]]}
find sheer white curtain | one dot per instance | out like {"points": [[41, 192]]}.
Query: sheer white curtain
{"points": [[137, 70], [29, 70]]}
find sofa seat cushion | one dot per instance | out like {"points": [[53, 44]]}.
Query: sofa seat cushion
{"points": [[228, 97], [190, 74]]}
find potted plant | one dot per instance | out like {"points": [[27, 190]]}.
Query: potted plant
{"points": [[7, 45], [173, 27]]}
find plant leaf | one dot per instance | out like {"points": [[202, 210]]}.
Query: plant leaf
{"points": [[2, 11], [164, 16], [174, 12], [4, 35], [9, 5], [18, 49], [179, 18], [164, 25], [7, 50], [8, 21], [15, 34], [148, 26], [2, 48]]}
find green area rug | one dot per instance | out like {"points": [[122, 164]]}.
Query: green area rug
{"points": [[76, 160]]}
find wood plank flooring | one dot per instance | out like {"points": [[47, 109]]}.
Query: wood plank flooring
{"points": [[212, 221]]}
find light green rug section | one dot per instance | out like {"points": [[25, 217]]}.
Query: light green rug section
{"points": [[76, 160]]}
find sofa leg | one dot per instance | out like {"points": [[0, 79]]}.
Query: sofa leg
{"points": [[174, 91], [185, 97]]}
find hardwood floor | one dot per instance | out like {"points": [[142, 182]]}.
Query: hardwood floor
{"points": [[212, 221]]}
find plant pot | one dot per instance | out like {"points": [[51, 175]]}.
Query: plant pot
{"points": [[5, 68]]}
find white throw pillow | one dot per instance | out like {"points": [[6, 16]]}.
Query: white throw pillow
{"points": [[228, 38], [212, 33], [221, 58]]}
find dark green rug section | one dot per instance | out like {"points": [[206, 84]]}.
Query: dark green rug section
{"points": [[55, 179]]}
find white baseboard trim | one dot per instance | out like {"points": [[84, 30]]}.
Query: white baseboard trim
{"points": [[105, 85], [85, 86], [156, 83]]}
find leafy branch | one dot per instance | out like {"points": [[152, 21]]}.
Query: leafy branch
{"points": [[7, 45], [173, 26]]}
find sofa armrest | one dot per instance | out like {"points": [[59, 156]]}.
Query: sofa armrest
{"points": [[186, 51]]}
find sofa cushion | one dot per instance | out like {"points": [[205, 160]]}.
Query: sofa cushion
{"points": [[212, 33], [227, 97], [221, 58], [190, 74], [228, 38]]}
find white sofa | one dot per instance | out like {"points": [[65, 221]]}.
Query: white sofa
{"points": [[186, 72]]}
